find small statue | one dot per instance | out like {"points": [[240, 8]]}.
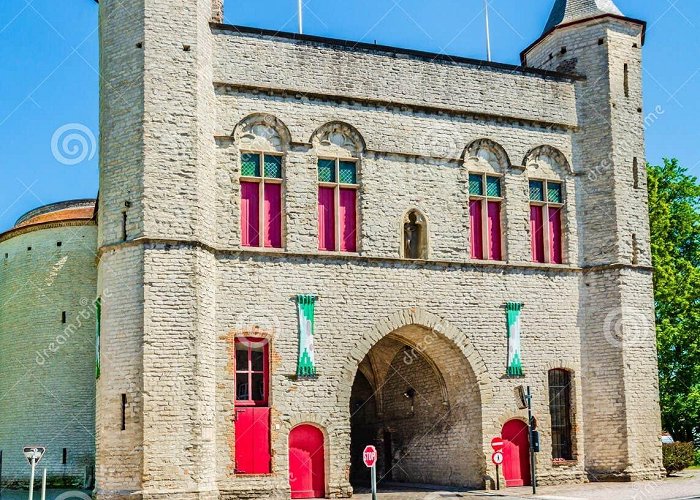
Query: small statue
{"points": [[412, 237]]}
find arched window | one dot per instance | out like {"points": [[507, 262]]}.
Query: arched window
{"points": [[546, 167], [339, 148], [415, 236], [486, 161], [262, 140], [560, 414]]}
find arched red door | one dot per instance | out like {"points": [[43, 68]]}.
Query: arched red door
{"points": [[307, 465], [516, 453]]}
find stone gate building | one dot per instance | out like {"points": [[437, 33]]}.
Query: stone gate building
{"points": [[308, 245]]}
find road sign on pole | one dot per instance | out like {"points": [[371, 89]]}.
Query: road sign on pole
{"points": [[369, 457], [497, 457], [497, 443]]}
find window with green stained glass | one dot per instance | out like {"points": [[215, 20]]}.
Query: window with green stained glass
{"points": [[485, 198], [337, 204], [261, 199], [546, 206]]}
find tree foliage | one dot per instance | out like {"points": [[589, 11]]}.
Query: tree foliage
{"points": [[674, 208]]}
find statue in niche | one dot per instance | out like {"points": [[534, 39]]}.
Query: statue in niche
{"points": [[414, 236]]}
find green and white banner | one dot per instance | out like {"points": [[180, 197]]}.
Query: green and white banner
{"points": [[306, 366], [515, 365]]}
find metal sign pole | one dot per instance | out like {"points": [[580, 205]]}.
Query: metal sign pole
{"points": [[532, 446], [374, 481], [0, 473], [31, 480], [43, 485], [498, 479]]}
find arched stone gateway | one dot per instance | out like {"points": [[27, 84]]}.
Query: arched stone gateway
{"points": [[417, 395]]}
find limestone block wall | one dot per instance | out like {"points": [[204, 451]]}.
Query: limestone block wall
{"points": [[360, 301], [47, 366]]}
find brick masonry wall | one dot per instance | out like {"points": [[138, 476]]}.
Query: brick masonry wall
{"points": [[181, 287], [47, 386]]}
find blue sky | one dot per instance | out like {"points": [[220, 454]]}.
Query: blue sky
{"points": [[49, 53]]}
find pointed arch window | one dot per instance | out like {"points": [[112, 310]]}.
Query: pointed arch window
{"points": [[261, 199]]}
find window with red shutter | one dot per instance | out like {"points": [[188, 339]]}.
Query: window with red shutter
{"points": [[261, 200], [252, 453], [337, 205], [485, 216], [546, 205]]}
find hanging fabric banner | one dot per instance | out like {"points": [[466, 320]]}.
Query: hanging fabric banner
{"points": [[98, 327], [515, 366], [306, 366]]}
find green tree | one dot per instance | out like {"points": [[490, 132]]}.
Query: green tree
{"points": [[674, 208]]}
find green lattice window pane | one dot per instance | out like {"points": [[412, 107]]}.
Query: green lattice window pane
{"points": [[273, 167], [326, 170], [250, 165], [493, 186], [476, 185], [348, 172], [536, 191], [554, 192]]}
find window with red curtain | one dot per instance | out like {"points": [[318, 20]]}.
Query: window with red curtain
{"points": [[546, 204], [485, 216], [337, 205], [252, 412], [261, 200]]}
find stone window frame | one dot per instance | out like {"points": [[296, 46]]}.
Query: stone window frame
{"points": [[250, 343], [425, 243], [262, 180], [545, 205], [572, 457], [484, 198], [336, 185]]}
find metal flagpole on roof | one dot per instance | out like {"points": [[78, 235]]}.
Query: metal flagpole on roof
{"points": [[488, 33], [301, 17]]}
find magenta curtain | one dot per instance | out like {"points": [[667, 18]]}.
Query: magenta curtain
{"points": [[494, 217], [250, 214], [273, 215], [555, 249], [476, 229], [537, 233], [326, 219], [347, 216]]}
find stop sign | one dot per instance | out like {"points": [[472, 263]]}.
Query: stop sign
{"points": [[497, 443], [369, 456]]}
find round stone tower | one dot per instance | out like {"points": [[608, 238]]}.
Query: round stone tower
{"points": [[47, 340]]}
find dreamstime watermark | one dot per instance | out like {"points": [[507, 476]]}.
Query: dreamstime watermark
{"points": [[414, 352], [257, 328], [88, 312], [628, 326], [73, 143]]}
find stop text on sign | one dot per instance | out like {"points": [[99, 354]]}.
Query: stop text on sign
{"points": [[369, 456]]}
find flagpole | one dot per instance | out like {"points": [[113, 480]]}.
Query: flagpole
{"points": [[488, 31], [301, 17]]}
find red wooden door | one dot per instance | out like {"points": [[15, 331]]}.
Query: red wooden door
{"points": [[516, 453], [252, 440], [307, 467]]}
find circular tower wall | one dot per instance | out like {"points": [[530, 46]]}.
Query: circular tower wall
{"points": [[48, 282]]}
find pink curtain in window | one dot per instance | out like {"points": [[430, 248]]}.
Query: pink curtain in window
{"points": [[347, 216], [476, 229], [250, 214], [494, 230], [537, 233], [555, 235], [326, 219], [273, 215]]}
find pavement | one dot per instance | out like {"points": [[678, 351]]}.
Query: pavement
{"points": [[684, 486]]}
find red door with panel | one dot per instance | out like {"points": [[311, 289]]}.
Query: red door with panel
{"points": [[307, 465], [516, 453]]}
